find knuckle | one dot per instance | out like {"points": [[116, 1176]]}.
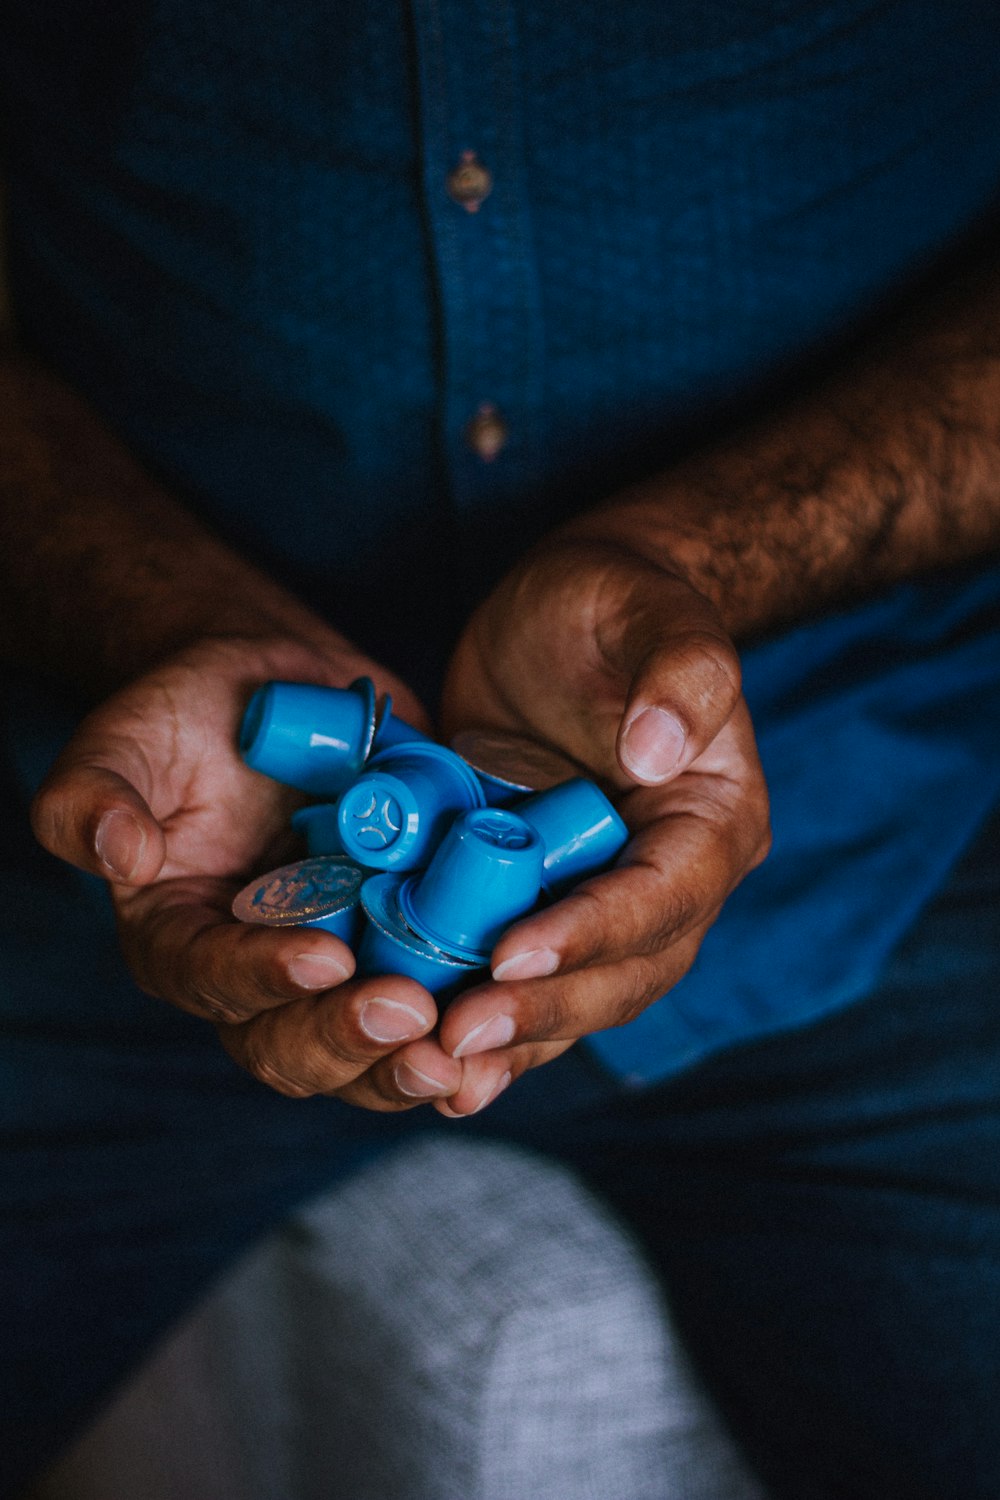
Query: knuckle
{"points": [[716, 664], [224, 1010], [214, 979], [259, 1065], [548, 1015], [634, 993], [633, 927], [750, 840], [341, 1041], [48, 817], [590, 914], [763, 847], [674, 910], [641, 981]]}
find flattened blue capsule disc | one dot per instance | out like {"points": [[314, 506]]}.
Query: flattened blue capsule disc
{"points": [[309, 893], [511, 766]]}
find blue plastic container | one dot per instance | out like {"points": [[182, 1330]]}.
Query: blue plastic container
{"points": [[388, 946], [319, 827], [580, 829], [389, 730], [314, 738], [397, 812], [486, 873]]}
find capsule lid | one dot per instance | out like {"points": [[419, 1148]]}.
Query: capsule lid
{"points": [[297, 894], [395, 756]]}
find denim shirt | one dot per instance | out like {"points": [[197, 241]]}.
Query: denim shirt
{"points": [[311, 262]]}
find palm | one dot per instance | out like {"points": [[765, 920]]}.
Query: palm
{"points": [[531, 662], [218, 818]]}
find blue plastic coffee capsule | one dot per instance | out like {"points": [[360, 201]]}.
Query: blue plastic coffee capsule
{"points": [[486, 873], [580, 829], [396, 813], [322, 892], [319, 827], [388, 946], [511, 767], [314, 738], [390, 730]]}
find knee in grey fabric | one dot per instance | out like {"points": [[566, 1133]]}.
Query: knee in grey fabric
{"points": [[459, 1322]]}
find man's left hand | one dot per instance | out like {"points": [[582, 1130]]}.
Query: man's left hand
{"points": [[624, 667]]}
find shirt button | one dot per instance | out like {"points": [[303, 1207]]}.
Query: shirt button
{"points": [[486, 434], [469, 183]]}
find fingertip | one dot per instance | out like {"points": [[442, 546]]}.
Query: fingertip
{"points": [[685, 688], [477, 1092], [529, 963], [128, 846], [400, 990], [651, 744], [423, 1073], [96, 820], [482, 1020], [313, 970]]}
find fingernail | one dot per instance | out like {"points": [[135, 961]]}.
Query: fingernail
{"points": [[495, 1032], [653, 744], [417, 1085], [497, 1088], [530, 965], [120, 841], [391, 1021], [316, 971]]}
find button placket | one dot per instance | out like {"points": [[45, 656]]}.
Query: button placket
{"points": [[477, 212]]}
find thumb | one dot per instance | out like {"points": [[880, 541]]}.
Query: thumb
{"points": [[89, 813], [684, 679]]}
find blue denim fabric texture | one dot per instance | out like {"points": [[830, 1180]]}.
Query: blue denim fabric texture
{"points": [[229, 226], [824, 1206]]}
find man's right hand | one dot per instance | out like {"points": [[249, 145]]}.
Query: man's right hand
{"points": [[152, 795]]}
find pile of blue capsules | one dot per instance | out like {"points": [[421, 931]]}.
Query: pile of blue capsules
{"points": [[420, 856]]}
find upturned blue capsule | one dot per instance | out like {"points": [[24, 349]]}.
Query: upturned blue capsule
{"points": [[310, 737], [580, 829], [486, 873], [396, 813], [389, 946], [319, 827]]}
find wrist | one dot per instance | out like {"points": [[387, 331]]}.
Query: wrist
{"points": [[103, 573]]}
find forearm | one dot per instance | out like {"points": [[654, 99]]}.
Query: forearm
{"points": [[888, 468], [102, 572]]}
